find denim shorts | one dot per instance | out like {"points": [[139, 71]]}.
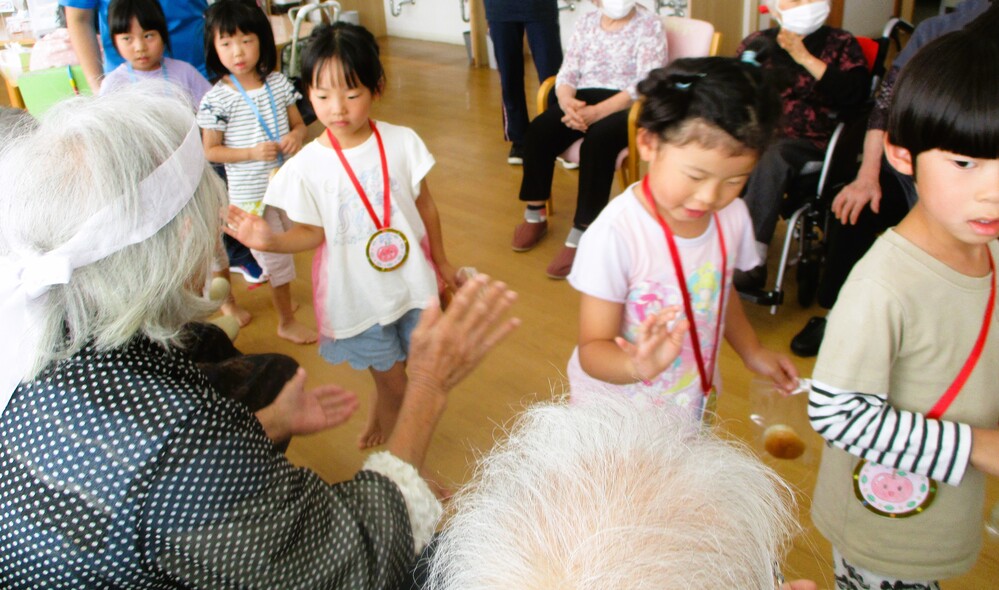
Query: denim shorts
{"points": [[379, 347]]}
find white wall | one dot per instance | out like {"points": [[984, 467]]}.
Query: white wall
{"points": [[429, 20], [866, 17]]}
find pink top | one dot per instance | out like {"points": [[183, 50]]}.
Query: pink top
{"points": [[613, 59]]}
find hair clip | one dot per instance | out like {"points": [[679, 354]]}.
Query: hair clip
{"points": [[690, 80], [749, 56], [683, 85]]}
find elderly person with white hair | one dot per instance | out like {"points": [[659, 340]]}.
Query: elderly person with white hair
{"points": [[615, 493], [822, 73], [120, 464]]}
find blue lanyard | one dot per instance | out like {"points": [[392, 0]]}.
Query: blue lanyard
{"points": [[272, 135], [131, 72]]}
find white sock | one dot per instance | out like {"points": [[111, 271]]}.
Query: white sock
{"points": [[573, 239], [535, 215]]}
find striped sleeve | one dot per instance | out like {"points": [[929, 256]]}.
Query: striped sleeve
{"points": [[867, 426]]}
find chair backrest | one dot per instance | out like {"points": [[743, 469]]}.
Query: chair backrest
{"points": [[689, 37]]}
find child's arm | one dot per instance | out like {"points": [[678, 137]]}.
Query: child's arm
{"points": [[740, 335], [866, 425], [432, 221], [216, 151], [254, 232], [292, 141], [606, 356]]}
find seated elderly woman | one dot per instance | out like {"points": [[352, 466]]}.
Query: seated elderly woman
{"points": [[120, 464], [822, 72], [615, 493], [610, 52]]}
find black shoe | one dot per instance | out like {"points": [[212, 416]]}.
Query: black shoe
{"points": [[806, 342], [516, 156], [753, 279]]}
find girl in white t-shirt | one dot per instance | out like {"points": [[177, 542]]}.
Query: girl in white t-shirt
{"points": [[359, 195], [655, 268], [251, 124]]}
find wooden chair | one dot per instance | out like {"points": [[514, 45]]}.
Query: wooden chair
{"points": [[685, 37]]}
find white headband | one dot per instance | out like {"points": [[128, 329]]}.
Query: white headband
{"points": [[24, 278]]}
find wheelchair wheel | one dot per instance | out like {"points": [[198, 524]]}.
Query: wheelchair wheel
{"points": [[808, 280]]}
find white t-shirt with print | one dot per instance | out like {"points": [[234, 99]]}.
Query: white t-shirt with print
{"points": [[313, 188], [623, 257]]}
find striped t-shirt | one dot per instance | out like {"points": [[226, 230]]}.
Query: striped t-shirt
{"points": [[224, 109]]}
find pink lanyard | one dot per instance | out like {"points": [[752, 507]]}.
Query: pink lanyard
{"points": [[707, 378], [969, 365], [387, 222]]}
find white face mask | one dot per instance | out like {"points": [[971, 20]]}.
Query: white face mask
{"points": [[804, 20], [615, 9]]}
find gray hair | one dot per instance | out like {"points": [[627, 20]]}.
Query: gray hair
{"points": [[87, 153], [14, 123], [614, 494]]}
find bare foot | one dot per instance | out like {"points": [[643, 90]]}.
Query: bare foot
{"points": [[372, 435], [297, 333], [294, 306], [231, 308]]}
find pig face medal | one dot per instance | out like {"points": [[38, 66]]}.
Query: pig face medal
{"points": [[387, 248]]}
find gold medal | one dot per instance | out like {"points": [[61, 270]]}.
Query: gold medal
{"points": [[387, 249], [892, 493]]}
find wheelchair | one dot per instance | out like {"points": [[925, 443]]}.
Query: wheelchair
{"points": [[807, 206]]}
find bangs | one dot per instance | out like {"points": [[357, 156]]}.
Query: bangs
{"points": [[149, 13], [947, 98]]}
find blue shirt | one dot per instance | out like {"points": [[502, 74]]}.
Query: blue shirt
{"points": [[185, 22]]}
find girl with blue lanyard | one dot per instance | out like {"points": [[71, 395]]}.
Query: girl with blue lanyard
{"points": [[139, 32], [251, 124]]}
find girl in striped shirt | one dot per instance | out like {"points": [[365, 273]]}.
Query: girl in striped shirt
{"points": [[251, 124]]}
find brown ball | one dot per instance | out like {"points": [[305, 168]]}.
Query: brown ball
{"points": [[783, 442]]}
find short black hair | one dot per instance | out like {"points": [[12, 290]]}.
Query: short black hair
{"points": [[726, 93], [225, 17], [149, 13], [354, 46], [946, 97]]}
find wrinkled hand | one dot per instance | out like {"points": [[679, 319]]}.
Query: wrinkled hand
{"points": [[656, 346], [249, 229], [446, 346], [777, 367], [793, 44], [290, 144], [297, 410], [265, 151], [850, 202]]}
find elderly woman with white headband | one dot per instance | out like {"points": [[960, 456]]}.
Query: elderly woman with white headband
{"points": [[120, 465], [823, 73]]}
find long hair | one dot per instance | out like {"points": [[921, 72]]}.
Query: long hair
{"points": [[614, 494], [945, 97], [88, 153]]}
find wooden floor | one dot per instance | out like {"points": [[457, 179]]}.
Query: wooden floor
{"points": [[456, 110]]}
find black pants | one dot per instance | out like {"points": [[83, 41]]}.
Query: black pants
{"points": [[846, 244], [508, 44], [764, 193], [547, 137]]}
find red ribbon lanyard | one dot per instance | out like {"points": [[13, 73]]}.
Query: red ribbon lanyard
{"points": [[706, 378], [387, 222], [969, 365]]}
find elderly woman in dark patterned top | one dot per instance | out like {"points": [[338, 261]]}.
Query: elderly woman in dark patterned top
{"points": [[823, 72], [121, 465]]}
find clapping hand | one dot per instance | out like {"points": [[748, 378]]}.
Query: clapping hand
{"points": [[656, 345]]}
